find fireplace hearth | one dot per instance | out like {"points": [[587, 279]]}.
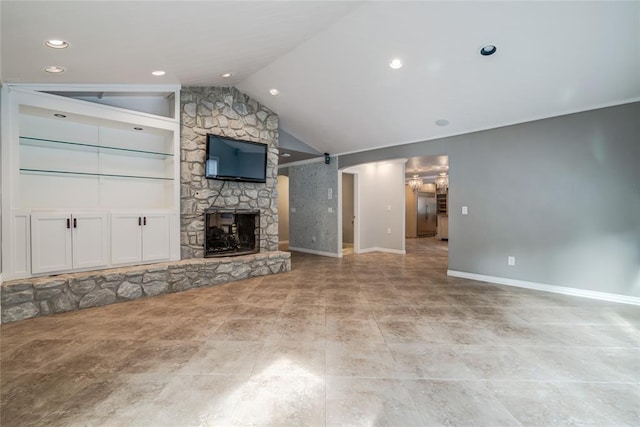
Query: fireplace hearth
{"points": [[231, 232]]}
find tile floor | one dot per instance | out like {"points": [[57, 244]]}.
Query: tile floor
{"points": [[373, 339]]}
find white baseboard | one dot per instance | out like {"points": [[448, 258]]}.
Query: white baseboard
{"points": [[386, 250], [604, 296], [313, 252]]}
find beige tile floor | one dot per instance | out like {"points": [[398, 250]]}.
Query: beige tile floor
{"points": [[373, 339]]}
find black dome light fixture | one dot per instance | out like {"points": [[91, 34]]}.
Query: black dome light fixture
{"points": [[488, 50]]}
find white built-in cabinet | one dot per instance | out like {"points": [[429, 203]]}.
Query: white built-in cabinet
{"points": [[66, 241], [139, 237], [85, 185]]}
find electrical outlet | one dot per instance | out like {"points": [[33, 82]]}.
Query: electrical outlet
{"points": [[388, 231], [511, 260], [330, 209], [313, 239], [465, 210], [330, 193], [389, 208]]}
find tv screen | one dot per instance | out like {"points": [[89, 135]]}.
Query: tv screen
{"points": [[235, 160]]}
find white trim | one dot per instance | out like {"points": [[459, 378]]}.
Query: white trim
{"points": [[303, 162], [313, 252], [385, 250], [604, 296], [64, 87], [500, 125]]}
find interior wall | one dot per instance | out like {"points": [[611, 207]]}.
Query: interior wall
{"points": [[381, 206], [348, 207], [562, 195], [313, 218], [283, 208]]}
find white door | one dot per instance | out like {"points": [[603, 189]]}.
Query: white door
{"points": [[155, 237], [50, 242], [90, 239], [126, 238]]}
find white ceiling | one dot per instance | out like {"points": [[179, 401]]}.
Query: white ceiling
{"points": [[330, 59]]}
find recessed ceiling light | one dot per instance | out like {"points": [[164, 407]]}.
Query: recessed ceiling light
{"points": [[285, 155], [274, 92], [158, 73], [54, 69], [225, 75], [442, 122], [488, 49], [395, 63], [60, 116], [137, 128], [56, 44]]}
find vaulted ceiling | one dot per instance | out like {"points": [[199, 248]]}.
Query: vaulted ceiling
{"points": [[330, 60]]}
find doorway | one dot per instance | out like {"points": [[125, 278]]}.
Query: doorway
{"points": [[427, 205], [348, 213]]}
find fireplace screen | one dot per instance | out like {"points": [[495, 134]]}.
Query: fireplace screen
{"points": [[231, 232]]}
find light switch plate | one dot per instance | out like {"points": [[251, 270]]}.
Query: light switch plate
{"points": [[330, 210], [465, 210], [330, 192], [293, 210]]}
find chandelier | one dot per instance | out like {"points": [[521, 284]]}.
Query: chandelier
{"points": [[415, 183], [442, 182]]}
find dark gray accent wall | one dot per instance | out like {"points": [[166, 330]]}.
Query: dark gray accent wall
{"points": [[562, 195], [308, 195]]}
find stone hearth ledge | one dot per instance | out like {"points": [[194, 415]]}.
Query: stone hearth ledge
{"points": [[41, 296]]}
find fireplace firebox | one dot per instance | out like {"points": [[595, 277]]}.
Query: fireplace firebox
{"points": [[231, 232]]}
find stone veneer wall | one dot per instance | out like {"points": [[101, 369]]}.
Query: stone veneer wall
{"points": [[228, 112], [26, 298]]}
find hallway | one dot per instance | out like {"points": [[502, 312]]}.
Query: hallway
{"points": [[373, 339]]}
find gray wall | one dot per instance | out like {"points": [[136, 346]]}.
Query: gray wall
{"points": [[308, 194], [562, 195]]}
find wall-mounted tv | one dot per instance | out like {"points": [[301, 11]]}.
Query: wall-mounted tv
{"points": [[235, 160]]}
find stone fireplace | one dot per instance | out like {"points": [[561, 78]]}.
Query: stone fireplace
{"points": [[227, 112], [231, 232]]}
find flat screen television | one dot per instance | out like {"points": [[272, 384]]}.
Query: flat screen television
{"points": [[235, 160]]}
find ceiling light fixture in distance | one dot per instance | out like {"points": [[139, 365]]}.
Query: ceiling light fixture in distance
{"points": [[226, 75], [442, 122], [137, 128], [488, 49], [54, 69], [56, 44], [159, 73], [274, 92], [395, 63], [60, 116]]}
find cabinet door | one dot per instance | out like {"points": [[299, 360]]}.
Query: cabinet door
{"points": [[50, 242], [155, 237], [126, 238], [90, 239]]}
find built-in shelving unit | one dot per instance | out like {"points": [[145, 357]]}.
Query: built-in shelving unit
{"points": [[70, 163]]}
